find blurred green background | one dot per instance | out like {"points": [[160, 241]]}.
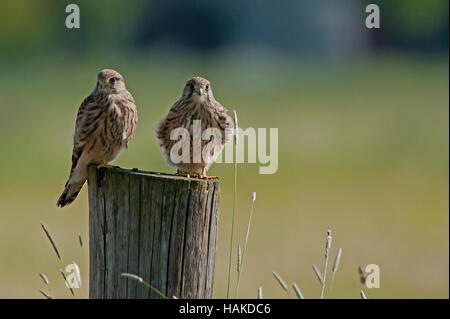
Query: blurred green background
{"points": [[362, 118]]}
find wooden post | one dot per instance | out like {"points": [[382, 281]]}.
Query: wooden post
{"points": [[160, 227]]}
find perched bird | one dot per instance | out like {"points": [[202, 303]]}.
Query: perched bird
{"points": [[106, 121], [197, 103]]}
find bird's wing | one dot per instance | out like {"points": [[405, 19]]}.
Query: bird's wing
{"points": [[172, 120], [86, 123], [131, 117], [225, 122]]}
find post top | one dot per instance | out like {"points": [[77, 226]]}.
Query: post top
{"points": [[158, 175]]}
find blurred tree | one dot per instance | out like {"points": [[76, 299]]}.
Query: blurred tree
{"points": [[197, 25], [412, 25], [316, 27]]}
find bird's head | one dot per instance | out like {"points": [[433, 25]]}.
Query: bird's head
{"points": [[110, 81], [198, 89]]}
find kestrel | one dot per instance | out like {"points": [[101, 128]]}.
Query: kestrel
{"points": [[197, 103], [106, 121]]}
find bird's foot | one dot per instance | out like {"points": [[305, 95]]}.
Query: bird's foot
{"points": [[204, 176], [104, 164], [184, 174]]}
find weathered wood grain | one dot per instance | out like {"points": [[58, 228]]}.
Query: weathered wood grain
{"points": [[160, 227]]}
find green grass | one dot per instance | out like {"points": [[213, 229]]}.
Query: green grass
{"points": [[363, 148]]}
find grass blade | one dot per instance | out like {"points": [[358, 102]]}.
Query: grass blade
{"points": [[280, 281], [140, 280], [297, 291], [363, 295], [246, 242], [63, 274], [46, 295], [319, 276], [44, 278], [337, 260]]}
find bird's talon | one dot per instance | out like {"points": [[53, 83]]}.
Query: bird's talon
{"points": [[203, 174], [106, 165], [183, 174]]}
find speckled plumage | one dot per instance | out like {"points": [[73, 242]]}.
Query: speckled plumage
{"points": [[106, 121], [192, 106]]}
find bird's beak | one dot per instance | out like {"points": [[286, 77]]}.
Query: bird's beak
{"points": [[200, 91], [102, 84]]}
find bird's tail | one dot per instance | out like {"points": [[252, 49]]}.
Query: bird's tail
{"points": [[70, 192]]}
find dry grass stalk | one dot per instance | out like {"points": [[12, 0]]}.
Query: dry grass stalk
{"points": [[47, 233], [239, 259], [80, 240], [246, 242], [46, 295], [131, 276], [236, 128], [328, 242], [297, 291], [260, 295], [236, 139], [44, 278], [65, 281], [327, 249], [140, 280]]}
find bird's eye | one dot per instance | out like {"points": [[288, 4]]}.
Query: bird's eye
{"points": [[112, 80], [191, 86], [207, 87]]}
